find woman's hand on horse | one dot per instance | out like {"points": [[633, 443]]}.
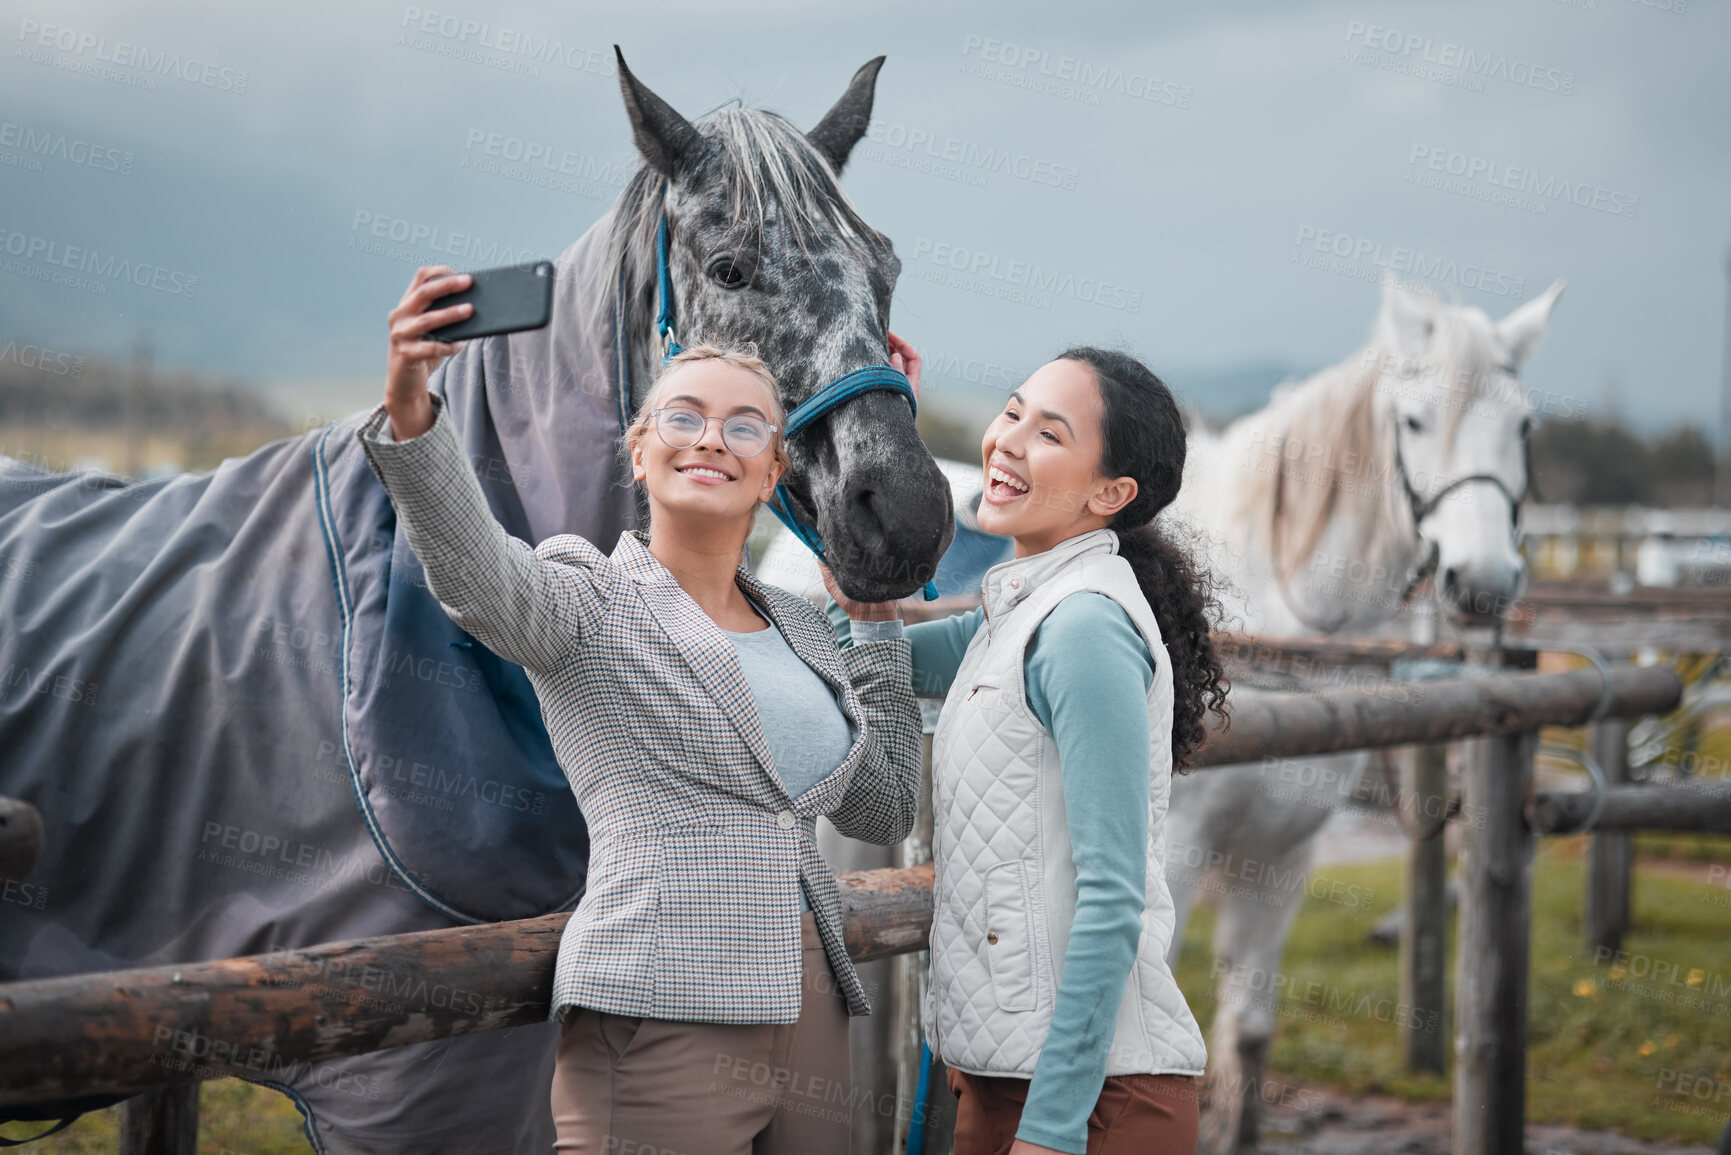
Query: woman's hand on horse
{"points": [[414, 355], [905, 361], [859, 611]]}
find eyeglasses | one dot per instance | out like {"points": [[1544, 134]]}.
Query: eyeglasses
{"points": [[681, 428]]}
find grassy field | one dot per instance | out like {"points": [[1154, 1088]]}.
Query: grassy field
{"points": [[1643, 1047]]}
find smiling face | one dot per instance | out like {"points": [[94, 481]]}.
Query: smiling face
{"points": [[1041, 457], [707, 480]]}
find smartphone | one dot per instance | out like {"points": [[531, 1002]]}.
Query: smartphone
{"points": [[508, 299]]}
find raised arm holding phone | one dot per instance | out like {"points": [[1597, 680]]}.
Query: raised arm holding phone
{"points": [[704, 719]]}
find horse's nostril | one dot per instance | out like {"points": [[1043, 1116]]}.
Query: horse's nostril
{"points": [[1451, 579]]}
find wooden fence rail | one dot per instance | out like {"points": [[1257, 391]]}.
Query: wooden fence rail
{"points": [[130, 1031]]}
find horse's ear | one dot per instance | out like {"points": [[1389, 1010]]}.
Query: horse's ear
{"points": [[842, 126], [1520, 330], [1406, 322], [667, 140]]}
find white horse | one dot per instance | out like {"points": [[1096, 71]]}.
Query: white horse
{"points": [[1322, 511]]}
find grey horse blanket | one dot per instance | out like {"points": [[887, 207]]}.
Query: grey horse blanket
{"points": [[249, 726]]}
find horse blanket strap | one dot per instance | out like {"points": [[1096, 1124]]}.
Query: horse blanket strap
{"points": [[838, 392]]}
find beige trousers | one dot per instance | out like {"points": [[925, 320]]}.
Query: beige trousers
{"points": [[624, 1085]]}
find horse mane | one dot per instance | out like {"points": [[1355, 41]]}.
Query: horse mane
{"points": [[1331, 450], [1325, 448], [764, 161]]}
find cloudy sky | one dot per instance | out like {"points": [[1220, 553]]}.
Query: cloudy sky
{"points": [[1219, 187]]}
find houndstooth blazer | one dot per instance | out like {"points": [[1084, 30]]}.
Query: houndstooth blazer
{"points": [[696, 850]]}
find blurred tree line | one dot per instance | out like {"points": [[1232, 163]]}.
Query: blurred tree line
{"points": [[59, 410], [1604, 462]]}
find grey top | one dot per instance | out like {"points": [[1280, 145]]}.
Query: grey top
{"points": [[807, 731]]}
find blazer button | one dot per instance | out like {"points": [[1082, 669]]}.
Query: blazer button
{"points": [[992, 936], [1015, 583], [785, 820]]}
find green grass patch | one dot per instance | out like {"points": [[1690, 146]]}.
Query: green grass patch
{"points": [[235, 1117], [1610, 1047]]}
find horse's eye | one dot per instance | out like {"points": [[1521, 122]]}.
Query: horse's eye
{"points": [[1414, 425], [726, 274]]}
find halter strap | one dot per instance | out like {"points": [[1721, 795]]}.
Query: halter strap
{"points": [[1423, 507], [871, 378]]}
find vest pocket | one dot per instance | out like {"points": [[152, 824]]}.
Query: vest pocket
{"points": [[1009, 936]]}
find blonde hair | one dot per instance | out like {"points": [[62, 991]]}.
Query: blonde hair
{"points": [[739, 357]]}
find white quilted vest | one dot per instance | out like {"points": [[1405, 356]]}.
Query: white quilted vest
{"points": [[1005, 881]]}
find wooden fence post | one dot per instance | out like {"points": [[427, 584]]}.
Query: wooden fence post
{"points": [[161, 1122], [871, 1038], [1610, 854], [938, 1123], [1424, 933], [1491, 958]]}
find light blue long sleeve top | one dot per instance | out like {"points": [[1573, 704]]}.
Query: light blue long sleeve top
{"points": [[1088, 673], [807, 731]]}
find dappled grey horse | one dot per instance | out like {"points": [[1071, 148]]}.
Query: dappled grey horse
{"points": [[247, 724]]}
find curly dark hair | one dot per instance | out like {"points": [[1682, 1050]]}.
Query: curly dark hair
{"points": [[1144, 439]]}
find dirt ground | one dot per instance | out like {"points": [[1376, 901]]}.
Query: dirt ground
{"points": [[1381, 1126]]}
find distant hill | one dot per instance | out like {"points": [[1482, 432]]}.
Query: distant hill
{"points": [[1228, 391], [64, 411]]}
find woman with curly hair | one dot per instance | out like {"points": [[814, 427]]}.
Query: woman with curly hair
{"points": [[1071, 696]]}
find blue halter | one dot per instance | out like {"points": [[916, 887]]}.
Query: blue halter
{"points": [[872, 378]]}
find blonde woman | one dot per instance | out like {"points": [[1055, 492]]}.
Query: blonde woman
{"points": [[704, 719], [1072, 696]]}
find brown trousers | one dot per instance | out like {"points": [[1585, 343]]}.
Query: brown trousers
{"points": [[1135, 1114], [624, 1085]]}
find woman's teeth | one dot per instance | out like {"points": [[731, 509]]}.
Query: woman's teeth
{"points": [[702, 471], [1004, 482]]}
